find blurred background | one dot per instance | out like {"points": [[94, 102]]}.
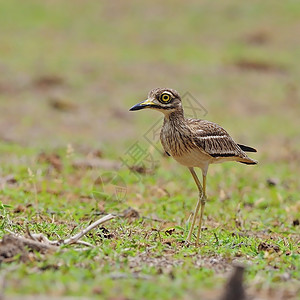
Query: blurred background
{"points": [[70, 70]]}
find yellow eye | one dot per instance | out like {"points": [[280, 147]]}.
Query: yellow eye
{"points": [[165, 98]]}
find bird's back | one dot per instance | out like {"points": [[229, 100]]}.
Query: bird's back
{"points": [[194, 142]]}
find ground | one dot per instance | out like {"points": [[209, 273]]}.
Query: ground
{"points": [[71, 152]]}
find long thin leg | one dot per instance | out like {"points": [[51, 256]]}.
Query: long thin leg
{"points": [[203, 200], [198, 203]]}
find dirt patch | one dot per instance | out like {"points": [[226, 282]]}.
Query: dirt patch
{"points": [[62, 104], [130, 213], [92, 163], [163, 264], [263, 246], [260, 37], [52, 159], [48, 81], [8, 180], [141, 170], [258, 66], [10, 247]]}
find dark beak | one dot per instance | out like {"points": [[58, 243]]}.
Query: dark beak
{"points": [[142, 105]]}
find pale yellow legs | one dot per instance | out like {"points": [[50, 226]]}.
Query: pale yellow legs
{"points": [[203, 201], [200, 205]]}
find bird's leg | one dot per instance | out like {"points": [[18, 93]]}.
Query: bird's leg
{"points": [[203, 200], [198, 203]]}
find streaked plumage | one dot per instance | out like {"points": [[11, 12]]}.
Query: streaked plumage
{"points": [[183, 138], [193, 142]]}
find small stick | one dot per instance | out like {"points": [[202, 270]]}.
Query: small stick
{"points": [[216, 237], [79, 235], [32, 244], [29, 233], [85, 243], [41, 243]]}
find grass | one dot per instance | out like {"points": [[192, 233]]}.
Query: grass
{"points": [[70, 73]]}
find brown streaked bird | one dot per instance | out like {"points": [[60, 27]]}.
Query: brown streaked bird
{"points": [[193, 143]]}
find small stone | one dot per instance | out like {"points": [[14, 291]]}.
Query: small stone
{"points": [[272, 181], [285, 276]]}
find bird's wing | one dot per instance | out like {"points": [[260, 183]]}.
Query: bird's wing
{"points": [[213, 139]]}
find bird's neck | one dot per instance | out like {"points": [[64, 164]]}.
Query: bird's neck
{"points": [[175, 117]]}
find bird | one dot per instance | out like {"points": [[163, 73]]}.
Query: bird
{"points": [[194, 143]]}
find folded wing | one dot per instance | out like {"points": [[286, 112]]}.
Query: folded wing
{"points": [[215, 141]]}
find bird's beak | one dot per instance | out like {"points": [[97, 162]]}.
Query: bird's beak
{"points": [[142, 105]]}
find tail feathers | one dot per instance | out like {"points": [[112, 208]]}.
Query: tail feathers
{"points": [[248, 161], [247, 148]]}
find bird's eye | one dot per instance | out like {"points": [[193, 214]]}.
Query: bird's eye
{"points": [[165, 98]]}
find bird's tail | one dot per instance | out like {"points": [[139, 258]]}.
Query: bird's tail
{"points": [[247, 148], [248, 161]]}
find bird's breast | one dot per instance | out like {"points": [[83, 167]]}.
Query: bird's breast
{"points": [[176, 141], [194, 158]]}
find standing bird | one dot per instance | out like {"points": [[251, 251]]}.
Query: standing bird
{"points": [[193, 143]]}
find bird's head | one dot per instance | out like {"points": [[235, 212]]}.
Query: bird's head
{"points": [[162, 99]]}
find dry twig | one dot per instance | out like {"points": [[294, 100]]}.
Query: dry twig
{"points": [[78, 236], [40, 243]]}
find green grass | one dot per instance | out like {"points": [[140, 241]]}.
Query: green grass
{"points": [[106, 57], [142, 258]]}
